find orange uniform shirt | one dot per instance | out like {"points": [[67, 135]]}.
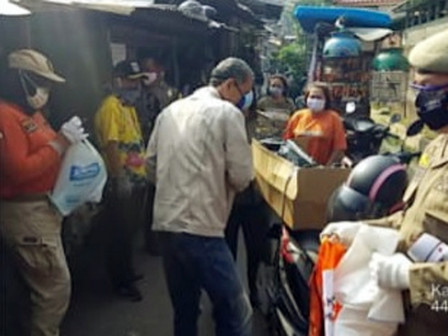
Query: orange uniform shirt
{"points": [[324, 130], [28, 164]]}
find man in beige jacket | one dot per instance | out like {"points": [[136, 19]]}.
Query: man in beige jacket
{"points": [[199, 157], [420, 265]]}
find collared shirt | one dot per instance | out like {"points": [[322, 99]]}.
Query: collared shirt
{"points": [[198, 156], [115, 121], [427, 212], [267, 103]]}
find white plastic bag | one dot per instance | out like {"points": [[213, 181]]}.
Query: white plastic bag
{"points": [[81, 179], [367, 309]]}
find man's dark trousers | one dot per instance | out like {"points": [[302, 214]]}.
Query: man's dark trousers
{"points": [[124, 217], [192, 263]]}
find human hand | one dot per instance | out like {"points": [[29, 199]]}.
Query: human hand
{"points": [[390, 271], [344, 231], [73, 130]]}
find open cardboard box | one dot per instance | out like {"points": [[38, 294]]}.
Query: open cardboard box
{"points": [[298, 195]]}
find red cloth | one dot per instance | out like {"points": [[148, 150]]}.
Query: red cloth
{"points": [[28, 164]]}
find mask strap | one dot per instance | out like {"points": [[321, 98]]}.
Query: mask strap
{"points": [[428, 88], [23, 80]]}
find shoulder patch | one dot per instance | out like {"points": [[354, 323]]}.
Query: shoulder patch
{"points": [[29, 125], [424, 161]]}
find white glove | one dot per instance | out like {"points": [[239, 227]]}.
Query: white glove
{"points": [[344, 231], [390, 271], [73, 130]]}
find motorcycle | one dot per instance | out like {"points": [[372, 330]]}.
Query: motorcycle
{"points": [[283, 281], [364, 136]]}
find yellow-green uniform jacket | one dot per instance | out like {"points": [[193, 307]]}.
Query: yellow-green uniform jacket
{"points": [[427, 211]]}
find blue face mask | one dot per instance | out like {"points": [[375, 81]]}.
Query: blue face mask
{"points": [[129, 96], [246, 101]]}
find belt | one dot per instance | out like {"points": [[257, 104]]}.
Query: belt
{"points": [[27, 198]]}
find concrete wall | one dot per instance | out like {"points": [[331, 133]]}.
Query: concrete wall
{"points": [[418, 33]]}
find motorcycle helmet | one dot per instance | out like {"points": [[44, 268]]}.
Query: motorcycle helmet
{"points": [[374, 189]]}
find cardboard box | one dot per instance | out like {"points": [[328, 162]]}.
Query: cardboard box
{"points": [[298, 195]]}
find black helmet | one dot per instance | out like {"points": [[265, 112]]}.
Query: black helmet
{"points": [[374, 188]]}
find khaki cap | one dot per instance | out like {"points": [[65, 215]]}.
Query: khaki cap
{"points": [[31, 60], [431, 54]]}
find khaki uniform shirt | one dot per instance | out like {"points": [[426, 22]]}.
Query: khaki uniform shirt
{"points": [[268, 103], [272, 117], [427, 199]]}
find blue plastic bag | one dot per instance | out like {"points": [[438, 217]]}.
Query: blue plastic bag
{"points": [[81, 179]]}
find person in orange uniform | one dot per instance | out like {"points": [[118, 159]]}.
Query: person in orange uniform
{"points": [[318, 128], [30, 159]]}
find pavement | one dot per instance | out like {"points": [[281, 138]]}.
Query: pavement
{"points": [[96, 311]]}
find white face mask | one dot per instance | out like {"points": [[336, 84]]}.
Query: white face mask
{"points": [[150, 77], [275, 91], [315, 104], [39, 99], [41, 95]]}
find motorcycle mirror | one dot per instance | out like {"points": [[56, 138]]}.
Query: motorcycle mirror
{"points": [[415, 128], [395, 118], [350, 107]]}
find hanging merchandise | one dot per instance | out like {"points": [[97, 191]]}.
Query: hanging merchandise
{"points": [[390, 60], [342, 44]]}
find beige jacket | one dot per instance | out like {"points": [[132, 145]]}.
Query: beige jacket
{"points": [[199, 157], [427, 197]]}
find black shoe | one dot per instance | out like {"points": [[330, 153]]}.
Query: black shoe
{"points": [[130, 292]]}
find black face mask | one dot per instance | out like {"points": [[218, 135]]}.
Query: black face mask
{"points": [[432, 108]]}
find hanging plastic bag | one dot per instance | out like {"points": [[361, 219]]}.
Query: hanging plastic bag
{"points": [[81, 179]]}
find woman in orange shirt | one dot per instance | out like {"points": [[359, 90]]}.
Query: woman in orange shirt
{"points": [[318, 127]]}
